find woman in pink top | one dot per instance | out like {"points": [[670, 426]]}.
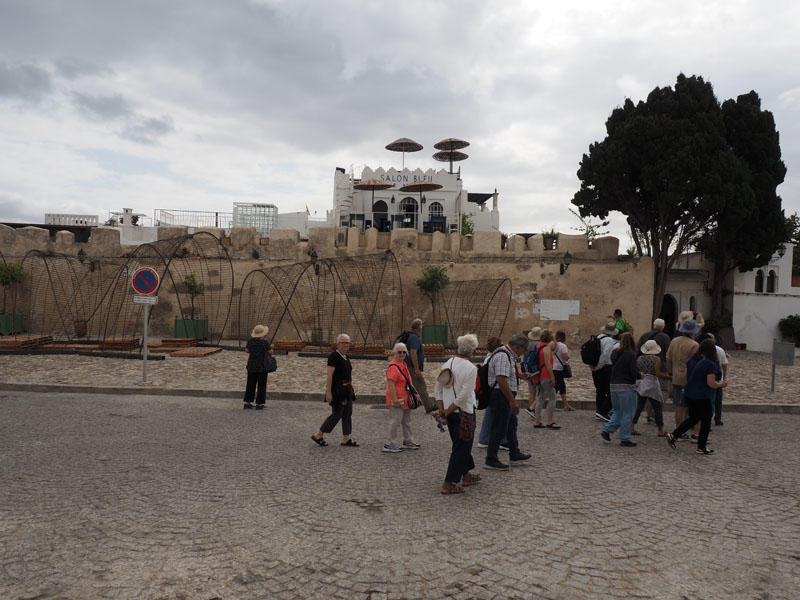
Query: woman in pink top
{"points": [[397, 377]]}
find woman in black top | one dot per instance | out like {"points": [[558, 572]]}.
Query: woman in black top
{"points": [[339, 394], [624, 374], [258, 347]]}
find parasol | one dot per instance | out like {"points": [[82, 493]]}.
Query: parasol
{"points": [[372, 184], [451, 144], [420, 186], [404, 145], [451, 156]]}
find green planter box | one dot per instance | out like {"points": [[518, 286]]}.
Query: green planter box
{"points": [[191, 328], [434, 334], [10, 323]]}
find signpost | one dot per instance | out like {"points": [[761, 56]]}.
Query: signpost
{"points": [[145, 282], [782, 354]]}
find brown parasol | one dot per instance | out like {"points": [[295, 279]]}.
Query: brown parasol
{"points": [[372, 184], [451, 144], [420, 186], [404, 145], [450, 156]]}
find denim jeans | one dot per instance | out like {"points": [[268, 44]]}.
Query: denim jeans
{"points": [[461, 461], [486, 428], [624, 405], [503, 424]]}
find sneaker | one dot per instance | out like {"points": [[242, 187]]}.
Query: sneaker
{"points": [[718, 423], [496, 465], [247, 405], [705, 451], [694, 437], [411, 446], [519, 458], [670, 440], [605, 436], [627, 443], [259, 407], [600, 417], [531, 413], [479, 445], [504, 447], [391, 448]]}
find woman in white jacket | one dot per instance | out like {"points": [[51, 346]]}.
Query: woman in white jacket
{"points": [[455, 397]]}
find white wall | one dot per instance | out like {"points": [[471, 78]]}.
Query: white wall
{"points": [[756, 314]]}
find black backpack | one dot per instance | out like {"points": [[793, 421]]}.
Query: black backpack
{"points": [[482, 389], [591, 351], [402, 338]]}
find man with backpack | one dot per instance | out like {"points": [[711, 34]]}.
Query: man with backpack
{"points": [[599, 349], [415, 360], [503, 381]]}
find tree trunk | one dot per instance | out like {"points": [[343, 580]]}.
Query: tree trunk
{"points": [[721, 269]]}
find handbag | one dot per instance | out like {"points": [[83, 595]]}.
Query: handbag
{"points": [[414, 399], [566, 369], [270, 363], [466, 426]]}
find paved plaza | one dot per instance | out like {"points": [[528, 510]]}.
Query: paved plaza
{"points": [[187, 498]]}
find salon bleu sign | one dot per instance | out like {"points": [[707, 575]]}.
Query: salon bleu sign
{"points": [[400, 178]]}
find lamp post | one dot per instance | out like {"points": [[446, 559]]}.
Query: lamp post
{"points": [[567, 261]]}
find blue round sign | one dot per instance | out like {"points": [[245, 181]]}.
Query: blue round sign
{"points": [[145, 280]]}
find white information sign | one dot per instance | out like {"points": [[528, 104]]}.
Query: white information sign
{"points": [[557, 310], [145, 299]]}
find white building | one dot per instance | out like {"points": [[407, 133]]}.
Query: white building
{"points": [[761, 298], [66, 219], [428, 211], [301, 221], [261, 216]]}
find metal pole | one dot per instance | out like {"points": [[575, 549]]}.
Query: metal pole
{"points": [[144, 342], [772, 390]]}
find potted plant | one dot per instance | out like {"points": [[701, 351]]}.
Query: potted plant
{"points": [[187, 326], [433, 279], [10, 274], [550, 239]]}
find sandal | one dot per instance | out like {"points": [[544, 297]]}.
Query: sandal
{"points": [[319, 441], [539, 426], [636, 433], [351, 442], [452, 488], [553, 426]]}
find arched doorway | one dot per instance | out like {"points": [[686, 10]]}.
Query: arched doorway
{"points": [[409, 213], [669, 312], [380, 216]]}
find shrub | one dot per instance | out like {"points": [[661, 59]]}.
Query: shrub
{"points": [[790, 328]]}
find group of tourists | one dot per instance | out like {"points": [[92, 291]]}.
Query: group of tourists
{"points": [[627, 376], [691, 369]]}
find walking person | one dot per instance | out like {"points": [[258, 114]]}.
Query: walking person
{"points": [[624, 374], [533, 335], [503, 379], [681, 349], [456, 402], [258, 348], [545, 382], [492, 344], [703, 378], [415, 361], [561, 367], [398, 379], [601, 373], [649, 365], [339, 394]]}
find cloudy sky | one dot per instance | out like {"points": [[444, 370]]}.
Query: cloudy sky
{"points": [[198, 104]]}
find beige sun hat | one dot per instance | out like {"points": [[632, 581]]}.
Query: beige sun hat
{"points": [[609, 329], [651, 347], [535, 333], [259, 331]]}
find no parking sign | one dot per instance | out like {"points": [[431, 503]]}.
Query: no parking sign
{"points": [[145, 280]]}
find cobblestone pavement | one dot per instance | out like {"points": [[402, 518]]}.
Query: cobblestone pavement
{"points": [[182, 498], [750, 374]]}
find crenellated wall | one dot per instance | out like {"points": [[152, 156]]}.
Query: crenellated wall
{"points": [[597, 277]]}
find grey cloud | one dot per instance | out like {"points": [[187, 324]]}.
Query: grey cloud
{"points": [[26, 82], [15, 210], [147, 130], [102, 107], [73, 68]]}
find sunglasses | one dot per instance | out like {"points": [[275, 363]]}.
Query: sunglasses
{"points": [[402, 352]]}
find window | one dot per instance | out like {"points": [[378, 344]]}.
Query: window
{"points": [[408, 210], [759, 281], [435, 209], [693, 303], [772, 282]]}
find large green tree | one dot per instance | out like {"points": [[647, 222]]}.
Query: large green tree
{"points": [[749, 226], [667, 164]]}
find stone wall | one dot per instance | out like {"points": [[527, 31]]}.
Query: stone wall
{"points": [[597, 277]]}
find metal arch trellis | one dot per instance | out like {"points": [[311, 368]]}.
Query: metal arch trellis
{"points": [[313, 302], [68, 298], [479, 306]]}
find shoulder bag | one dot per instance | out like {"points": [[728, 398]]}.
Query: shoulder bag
{"points": [[565, 368]]}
